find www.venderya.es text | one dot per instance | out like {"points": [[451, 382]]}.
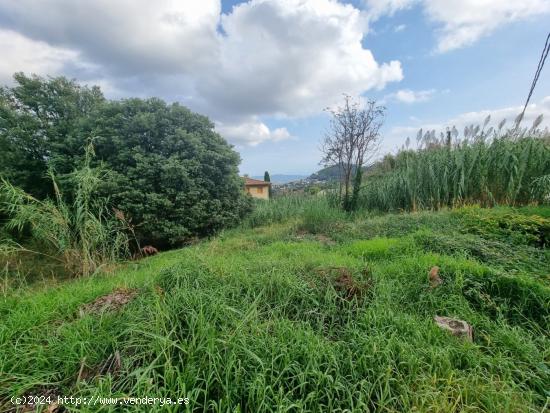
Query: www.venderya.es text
{"points": [[97, 401]]}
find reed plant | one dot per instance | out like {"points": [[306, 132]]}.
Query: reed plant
{"points": [[82, 234], [486, 170]]}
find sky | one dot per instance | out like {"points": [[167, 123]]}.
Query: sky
{"points": [[264, 71]]}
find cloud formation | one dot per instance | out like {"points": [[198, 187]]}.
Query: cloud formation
{"points": [[34, 56], [251, 132], [399, 28], [287, 58], [411, 96], [460, 23]]}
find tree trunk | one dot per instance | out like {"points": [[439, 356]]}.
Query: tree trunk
{"points": [[356, 187]]}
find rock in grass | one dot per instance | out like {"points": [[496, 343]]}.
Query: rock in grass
{"points": [[458, 328], [435, 279]]}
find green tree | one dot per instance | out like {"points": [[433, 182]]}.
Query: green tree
{"points": [[170, 173], [41, 121], [268, 179]]}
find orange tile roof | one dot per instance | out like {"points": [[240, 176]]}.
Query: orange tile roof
{"points": [[253, 182]]}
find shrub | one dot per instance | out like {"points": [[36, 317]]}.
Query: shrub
{"points": [[505, 225], [82, 235], [171, 174]]}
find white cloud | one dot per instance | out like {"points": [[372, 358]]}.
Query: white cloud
{"points": [[286, 58], [462, 22], [292, 58], [137, 36], [411, 96], [251, 132], [465, 21], [379, 8], [399, 28], [397, 135], [22, 54]]}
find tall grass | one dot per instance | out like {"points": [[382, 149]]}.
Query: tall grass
{"points": [[316, 214], [82, 235], [277, 210], [249, 322], [504, 171]]}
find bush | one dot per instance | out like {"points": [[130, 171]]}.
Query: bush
{"points": [[82, 236], [171, 174], [509, 226]]}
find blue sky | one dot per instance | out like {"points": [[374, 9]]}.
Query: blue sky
{"points": [[493, 73], [263, 70]]}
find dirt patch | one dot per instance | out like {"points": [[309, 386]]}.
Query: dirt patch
{"points": [[458, 328], [110, 302], [434, 278], [343, 281], [302, 235]]}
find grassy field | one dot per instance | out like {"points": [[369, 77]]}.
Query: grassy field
{"points": [[304, 309]]}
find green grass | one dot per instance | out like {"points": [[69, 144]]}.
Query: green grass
{"points": [[504, 170], [258, 319]]}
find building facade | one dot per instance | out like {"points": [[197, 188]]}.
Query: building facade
{"points": [[256, 188]]}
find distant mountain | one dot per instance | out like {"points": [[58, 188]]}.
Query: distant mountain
{"points": [[330, 173], [282, 178]]}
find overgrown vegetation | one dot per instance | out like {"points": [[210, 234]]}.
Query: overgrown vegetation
{"points": [[487, 169], [307, 306], [82, 236], [170, 173], [277, 318]]}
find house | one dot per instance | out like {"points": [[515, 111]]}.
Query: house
{"points": [[256, 188]]}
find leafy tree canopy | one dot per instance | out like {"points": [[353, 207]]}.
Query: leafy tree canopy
{"points": [[167, 169]]}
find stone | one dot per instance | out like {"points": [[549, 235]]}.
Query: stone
{"points": [[458, 328]]}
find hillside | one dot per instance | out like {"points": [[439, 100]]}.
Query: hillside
{"points": [[330, 173], [312, 311]]}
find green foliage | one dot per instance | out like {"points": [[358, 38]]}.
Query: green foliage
{"points": [[329, 173], [318, 217], [378, 248], [501, 171], [41, 125], [83, 235], [262, 319], [170, 173], [279, 209], [510, 226], [267, 178], [499, 253]]}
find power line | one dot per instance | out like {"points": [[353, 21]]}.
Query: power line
{"points": [[542, 60]]}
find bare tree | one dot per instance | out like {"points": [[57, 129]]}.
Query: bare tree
{"points": [[350, 143]]}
